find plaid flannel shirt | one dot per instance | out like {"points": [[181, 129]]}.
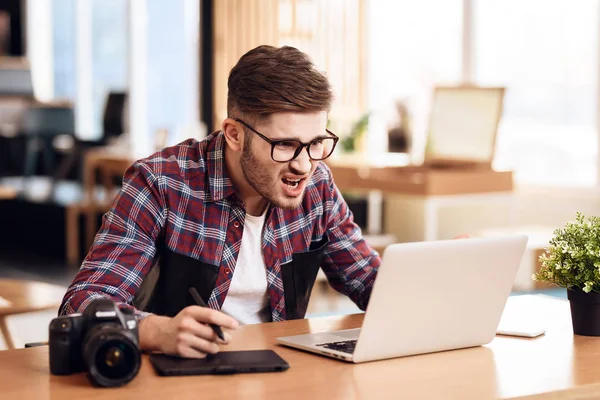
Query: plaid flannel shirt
{"points": [[183, 195]]}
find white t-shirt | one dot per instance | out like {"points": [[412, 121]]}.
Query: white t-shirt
{"points": [[248, 299]]}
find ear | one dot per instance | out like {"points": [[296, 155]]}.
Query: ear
{"points": [[234, 134]]}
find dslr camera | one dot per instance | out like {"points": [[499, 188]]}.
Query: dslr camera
{"points": [[102, 341]]}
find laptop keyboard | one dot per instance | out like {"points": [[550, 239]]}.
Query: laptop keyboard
{"points": [[345, 346]]}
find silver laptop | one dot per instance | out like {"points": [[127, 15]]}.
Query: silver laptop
{"points": [[428, 297]]}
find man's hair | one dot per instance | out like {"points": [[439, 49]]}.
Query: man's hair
{"points": [[268, 80]]}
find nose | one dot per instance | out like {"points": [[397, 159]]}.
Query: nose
{"points": [[302, 164]]}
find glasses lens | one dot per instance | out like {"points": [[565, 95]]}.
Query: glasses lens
{"points": [[320, 149], [285, 151]]}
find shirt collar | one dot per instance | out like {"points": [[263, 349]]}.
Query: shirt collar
{"points": [[219, 182]]}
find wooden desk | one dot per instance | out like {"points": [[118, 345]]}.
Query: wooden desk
{"points": [[556, 365], [26, 296], [418, 181], [423, 191]]}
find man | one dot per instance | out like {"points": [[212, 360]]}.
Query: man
{"points": [[246, 216]]}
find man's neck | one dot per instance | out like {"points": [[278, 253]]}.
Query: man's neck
{"points": [[255, 203]]}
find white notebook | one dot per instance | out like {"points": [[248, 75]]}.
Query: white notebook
{"points": [[521, 317]]}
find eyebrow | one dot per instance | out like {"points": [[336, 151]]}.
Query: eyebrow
{"points": [[297, 139]]}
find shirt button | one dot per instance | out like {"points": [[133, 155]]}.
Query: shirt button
{"points": [[236, 224], [227, 271]]}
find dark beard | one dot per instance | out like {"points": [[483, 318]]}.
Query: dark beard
{"points": [[249, 163], [255, 174]]}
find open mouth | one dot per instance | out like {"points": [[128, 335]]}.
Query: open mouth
{"points": [[292, 183], [293, 187]]}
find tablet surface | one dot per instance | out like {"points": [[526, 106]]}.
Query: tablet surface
{"points": [[225, 362]]}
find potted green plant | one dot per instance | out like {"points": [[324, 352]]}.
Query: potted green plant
{"points": [[572, 261], [350, 142]]}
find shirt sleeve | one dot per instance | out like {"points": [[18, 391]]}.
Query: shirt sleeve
{"points": [[350, 264], [125, 246]]}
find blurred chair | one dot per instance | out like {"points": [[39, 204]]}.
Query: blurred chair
{"points": [[114, 124], [109, 165], [114, 120], [41, 125]]}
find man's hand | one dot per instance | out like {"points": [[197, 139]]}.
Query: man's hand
{"points": [[187, 334]]}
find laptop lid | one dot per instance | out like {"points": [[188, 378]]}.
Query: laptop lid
{"points": [[440, 295]]}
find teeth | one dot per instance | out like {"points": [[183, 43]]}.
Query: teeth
{"points": [[290, 182]]}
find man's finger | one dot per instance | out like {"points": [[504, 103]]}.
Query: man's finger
{"points": [[198, 344], [227, 338], [208, 315], [188, 352], [197, 329]]}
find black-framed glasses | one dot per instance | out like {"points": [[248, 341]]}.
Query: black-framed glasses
{"points": [[286, 150]]}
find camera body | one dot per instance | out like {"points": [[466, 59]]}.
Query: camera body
{"points": [[103, 340]]}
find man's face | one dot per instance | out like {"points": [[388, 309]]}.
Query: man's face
{"points": [[281, 183]]}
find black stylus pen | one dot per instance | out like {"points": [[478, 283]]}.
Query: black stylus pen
{"points": [[201, 303]]}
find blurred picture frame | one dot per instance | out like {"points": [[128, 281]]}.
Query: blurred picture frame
{"points": [[463, 125]]}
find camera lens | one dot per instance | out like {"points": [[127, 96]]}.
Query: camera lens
{"points": [[115, 356], [111, 355], [114, 360]]}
